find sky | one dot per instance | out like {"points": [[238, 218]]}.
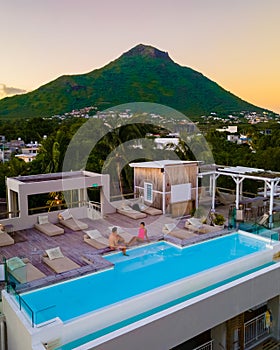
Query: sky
{"points": [[232, 42]]}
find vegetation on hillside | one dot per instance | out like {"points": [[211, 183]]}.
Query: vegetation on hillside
{"points": [[143, 74]]}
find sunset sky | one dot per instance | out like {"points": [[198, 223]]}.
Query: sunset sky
{"points": [[234, 43]]}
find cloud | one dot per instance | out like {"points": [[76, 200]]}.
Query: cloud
{"points": [[9, 91]]}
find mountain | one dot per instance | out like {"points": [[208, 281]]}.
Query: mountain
{"points": [[143, 74]]}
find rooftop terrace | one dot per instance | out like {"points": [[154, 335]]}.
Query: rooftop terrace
{"points": [[31, 244]]}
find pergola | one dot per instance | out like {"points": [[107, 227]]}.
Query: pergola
{"points": [[239, 174]]}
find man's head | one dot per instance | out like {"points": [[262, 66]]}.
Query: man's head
{"points": [[114, 229]]}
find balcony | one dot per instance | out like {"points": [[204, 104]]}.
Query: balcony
{"points": [[205, 346], [256, 330]]}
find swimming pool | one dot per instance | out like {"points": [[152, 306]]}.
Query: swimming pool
{"points": [[160, 268]]}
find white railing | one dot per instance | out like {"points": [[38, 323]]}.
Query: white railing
{"points": [[94, 210], [205, 346], [94, 205], [255, 330]]}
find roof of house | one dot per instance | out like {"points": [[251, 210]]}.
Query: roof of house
{"points": [[161, 163]]}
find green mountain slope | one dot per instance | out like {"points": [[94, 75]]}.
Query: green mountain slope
{"points": [[143, 74]]}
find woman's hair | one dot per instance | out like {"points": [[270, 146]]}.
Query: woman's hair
{"points": [[142, 223]]}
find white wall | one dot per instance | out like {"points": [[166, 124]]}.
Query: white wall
{"points": [[197, 315], [169, 327]]}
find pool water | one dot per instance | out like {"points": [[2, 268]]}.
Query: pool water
{"points": [[146, 267]]}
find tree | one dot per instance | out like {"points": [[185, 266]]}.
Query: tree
{"points": [[51, 153], [116, 161], [12, 168]]}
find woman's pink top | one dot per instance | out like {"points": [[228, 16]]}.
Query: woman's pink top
{"points": [[141, 233]]}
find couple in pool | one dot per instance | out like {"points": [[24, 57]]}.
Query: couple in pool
{"points": [[117, 242]]}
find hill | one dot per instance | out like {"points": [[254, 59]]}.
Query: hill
{"points": [[143, 74]]}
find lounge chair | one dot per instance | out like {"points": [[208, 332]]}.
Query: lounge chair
{"points": [[167, 228], [22, 270], [47, 227], [170, 229], [5, 238], [126, 236], [150, 210], [131, 213], [263, 220], [67, 220], [195, 225], [139, 205], [58, 262], [95, 239], [181, 234]]}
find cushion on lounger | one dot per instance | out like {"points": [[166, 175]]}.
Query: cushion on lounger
{"points": [[126, 207], [43, 219], [195, 222], [66, 215], [93, 234], [54, 253], [168, 228], [15, 263], [143, 206]]}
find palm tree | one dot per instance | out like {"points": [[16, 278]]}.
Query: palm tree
{"points": [[116, 153], [13, 167], [181, 149], [51, 153]]}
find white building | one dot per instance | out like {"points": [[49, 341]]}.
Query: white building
{"points": [[163, 142], [222, 306], [230, 128], [28, 153]]}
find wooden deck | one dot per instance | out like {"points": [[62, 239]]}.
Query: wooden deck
{"points": [[30, 242]]}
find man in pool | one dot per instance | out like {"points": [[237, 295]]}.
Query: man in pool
{"points": [[116, 241], [142, 235]]}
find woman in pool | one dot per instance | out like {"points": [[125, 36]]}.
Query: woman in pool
{"points": [[142, 235]]}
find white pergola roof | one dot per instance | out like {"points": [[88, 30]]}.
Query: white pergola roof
{"points": [[242, 170]]}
